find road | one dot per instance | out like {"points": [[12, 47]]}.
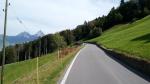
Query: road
{"points": [[93, 66]]}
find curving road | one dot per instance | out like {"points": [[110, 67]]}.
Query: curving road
{"points": [[93, 66]]}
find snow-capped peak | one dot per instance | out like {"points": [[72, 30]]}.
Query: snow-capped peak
{"points": [[24, 34], [39, 34]]}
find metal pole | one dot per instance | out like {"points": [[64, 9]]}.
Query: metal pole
{"points": [[4, 39]]}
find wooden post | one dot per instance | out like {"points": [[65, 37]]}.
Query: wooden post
{"points": [[37, 70], [58, 55]]}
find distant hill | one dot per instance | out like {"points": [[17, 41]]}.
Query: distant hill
{"points": [[39, 34], [21, 38], [24, 37]]}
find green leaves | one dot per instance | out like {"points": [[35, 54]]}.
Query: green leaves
{"points": [[59, 40]]}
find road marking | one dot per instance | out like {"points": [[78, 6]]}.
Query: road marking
{"points": [[69, 69]]}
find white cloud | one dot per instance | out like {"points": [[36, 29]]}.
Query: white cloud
{"points": [[52, 15]]}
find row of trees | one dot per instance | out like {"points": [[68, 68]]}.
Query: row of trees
{"points": [[39, 47], [43, 45], [126, 12], [86, 31], [49, 43]]}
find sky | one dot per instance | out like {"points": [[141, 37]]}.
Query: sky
{"points": [[51, 16]]}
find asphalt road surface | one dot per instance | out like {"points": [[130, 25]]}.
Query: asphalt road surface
{"points": [[93, 66]]}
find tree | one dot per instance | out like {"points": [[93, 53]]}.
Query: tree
{"points": [[29, 50], [142, 5], [147, 3], [113, 18], [129, 11], [96, 31], [77, 33], [1, 58], [38, 47], [118, 18], [68, 36], [11, 55], [17, 51], [122, 2], [59, 41], [44, 45], [51, 45]]}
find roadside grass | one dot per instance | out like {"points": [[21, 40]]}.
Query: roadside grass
{"points": [[132, 38], [50, 68]]}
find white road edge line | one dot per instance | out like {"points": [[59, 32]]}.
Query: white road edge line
{"points": [[69, 69]]}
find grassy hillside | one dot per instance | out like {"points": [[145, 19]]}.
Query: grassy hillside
{"points": [[132, 38], [50, 68]]}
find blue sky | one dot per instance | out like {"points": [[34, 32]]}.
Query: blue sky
{"points": [[52, 15]]}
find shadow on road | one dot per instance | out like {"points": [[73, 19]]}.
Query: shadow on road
{"points": [[118, 58], [123, 63]]}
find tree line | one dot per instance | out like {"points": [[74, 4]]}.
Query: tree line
{"points": [[29, 50], [129, 11]]}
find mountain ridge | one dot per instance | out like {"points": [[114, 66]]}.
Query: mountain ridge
{"points": [[21, 38]]}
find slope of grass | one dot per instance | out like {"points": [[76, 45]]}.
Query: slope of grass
{"points": [[132, 38], [25, 72]]}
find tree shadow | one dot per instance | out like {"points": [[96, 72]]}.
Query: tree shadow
{"points": [[116, 56], [145, 38]]}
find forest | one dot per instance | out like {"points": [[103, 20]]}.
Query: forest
{"points": [[127, 12]]}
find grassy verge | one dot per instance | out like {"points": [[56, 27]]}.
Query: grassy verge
{"points": [[132, 39], [50, 68]]}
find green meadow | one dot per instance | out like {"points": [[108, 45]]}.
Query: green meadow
{"points": [[132, 38], [50, 69]]}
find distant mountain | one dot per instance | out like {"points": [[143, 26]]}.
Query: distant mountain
{"points": [[21, 38], [39, 34], [24, 35]]}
